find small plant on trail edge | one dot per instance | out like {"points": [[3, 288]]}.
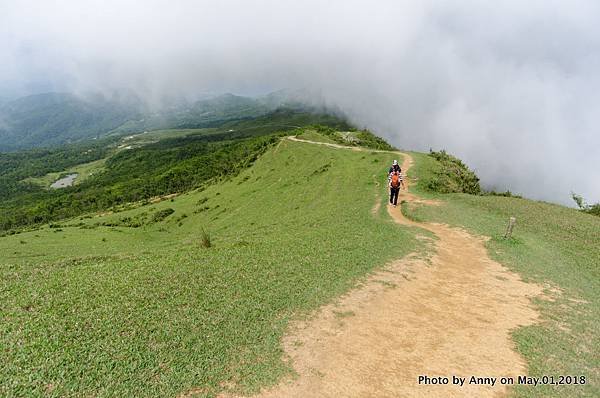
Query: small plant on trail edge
{"points": [[205, 239]]}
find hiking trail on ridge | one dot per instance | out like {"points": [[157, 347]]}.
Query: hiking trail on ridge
{"points": [[447, 314]]}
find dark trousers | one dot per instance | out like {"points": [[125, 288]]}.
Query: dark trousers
{"points": [[394, 195]]}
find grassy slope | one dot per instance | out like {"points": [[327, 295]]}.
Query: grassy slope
{"points": [[555, 246], [282, 119], [118, 311], [312, 135]]}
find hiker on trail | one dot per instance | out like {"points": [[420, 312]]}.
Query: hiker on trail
{"points": [[396, 182], [394, 168]]}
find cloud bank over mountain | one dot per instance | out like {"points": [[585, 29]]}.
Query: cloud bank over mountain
{"points": [[511, 87]]}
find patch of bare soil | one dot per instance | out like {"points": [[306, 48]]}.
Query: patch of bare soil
{"points": [[449, 314], [338, 146], [158, 199]]}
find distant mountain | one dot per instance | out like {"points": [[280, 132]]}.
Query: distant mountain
{"points": [[290, 98], [56, 118], [210, 112]]}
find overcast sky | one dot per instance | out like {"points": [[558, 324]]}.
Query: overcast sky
{"points": [[512, 87]]}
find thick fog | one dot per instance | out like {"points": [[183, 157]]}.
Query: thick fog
{"points": [[511, 87]]}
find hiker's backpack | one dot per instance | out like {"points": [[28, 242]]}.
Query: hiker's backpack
{"points": [[395, 181]]}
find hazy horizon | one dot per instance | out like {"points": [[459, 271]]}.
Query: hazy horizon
{"points": [[511, 88]]}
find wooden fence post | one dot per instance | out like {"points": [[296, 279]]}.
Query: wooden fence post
{"points": [[511, 224]]}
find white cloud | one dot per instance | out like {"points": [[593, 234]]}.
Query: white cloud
{"points": [[511, 87]]}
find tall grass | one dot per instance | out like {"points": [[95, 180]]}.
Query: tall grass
{"points": [[205, 240]]}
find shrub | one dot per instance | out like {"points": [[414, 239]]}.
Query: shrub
{"points": [[584, 206], [162, 214], [205, 239], [453, 176], [594, 209], [507, 194], [363, 138], [370, 140]]}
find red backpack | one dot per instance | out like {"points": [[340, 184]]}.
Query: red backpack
{"points": [[395, 181]]}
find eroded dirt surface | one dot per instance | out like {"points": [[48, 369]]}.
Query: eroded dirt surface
{"points": [[448, 314]]}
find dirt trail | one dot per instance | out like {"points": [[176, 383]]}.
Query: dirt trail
{"points": [[338, 146], [449, 314]]}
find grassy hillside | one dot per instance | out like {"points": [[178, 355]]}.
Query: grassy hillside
{"points": [[145, 310], [131, 301], [135, 167], [552, 245]]}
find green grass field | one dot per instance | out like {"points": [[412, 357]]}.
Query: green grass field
{"points": [[130, 304], [93, 310], [552, 245]]}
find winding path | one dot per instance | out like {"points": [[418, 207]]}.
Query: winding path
{"points": [[447, 314]]}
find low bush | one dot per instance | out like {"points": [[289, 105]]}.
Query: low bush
{"points": [[363, 138], [370, 140], [453, 176], [162, 214], [506, 194], [584, 206]]}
